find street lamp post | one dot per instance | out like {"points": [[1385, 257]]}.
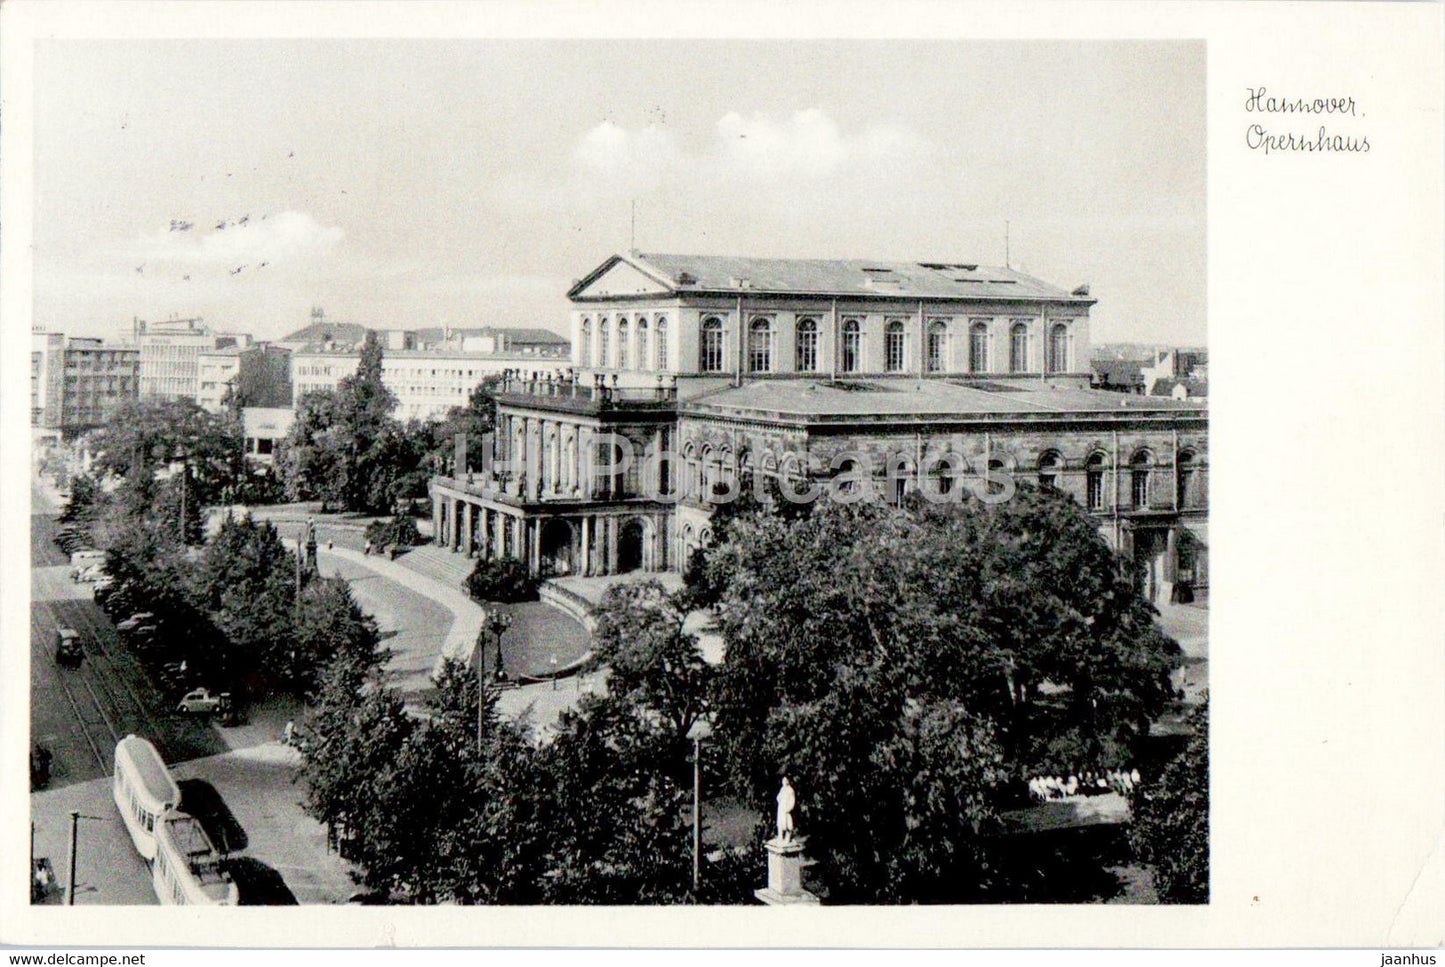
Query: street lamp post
{"points": [[499, 622], [700, 728]]}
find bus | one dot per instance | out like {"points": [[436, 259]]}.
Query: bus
{"points": [[187, 870], [144, 791]]}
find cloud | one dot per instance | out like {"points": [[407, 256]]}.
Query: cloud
{"points": [[808, 144], [807, 147], [276, 239], [634, 159]]}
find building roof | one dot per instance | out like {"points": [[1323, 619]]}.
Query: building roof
{"points": [[1119, 372], [337, 332], [934, 399], [514, 335], [862, 278], [1164, 386]]}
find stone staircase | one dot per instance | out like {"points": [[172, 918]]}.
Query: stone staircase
{"points": [[438, 563]]}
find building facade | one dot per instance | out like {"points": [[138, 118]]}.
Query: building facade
{"points": [[258, 375], [170, 353], [78, 384], [694, 377], [427, 383], [265, 428]]}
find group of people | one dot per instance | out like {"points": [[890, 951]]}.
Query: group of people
{"points": [[1085, 783]]}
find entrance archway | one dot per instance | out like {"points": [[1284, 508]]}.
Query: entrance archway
{"points": [[1150, 545], [556, 548], [630, 545]]}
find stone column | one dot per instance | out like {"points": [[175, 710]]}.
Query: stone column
{"points": [[469, 528], [586, 564], [534, 546], [611, 545], [436, 519]]}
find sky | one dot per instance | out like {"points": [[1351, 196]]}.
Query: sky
{"points": [[406, 183]]}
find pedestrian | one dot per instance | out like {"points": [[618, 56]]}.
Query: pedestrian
{"points": [[288, 734], [367, 550]]}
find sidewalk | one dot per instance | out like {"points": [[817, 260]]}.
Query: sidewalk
{"points": [[461, 637], [541, 704]]}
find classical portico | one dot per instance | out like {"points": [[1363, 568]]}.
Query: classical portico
{"points": [[561, 484]]}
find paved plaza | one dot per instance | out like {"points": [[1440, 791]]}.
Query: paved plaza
{"points": [[254, 784]]}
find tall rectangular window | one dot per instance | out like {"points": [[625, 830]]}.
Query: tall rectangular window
{"points": [[895, 347], [937, 346], [712, 345], [807, 357], [852, 355], [1018, 348], [760, 346], [662, 344], [978, 346]]}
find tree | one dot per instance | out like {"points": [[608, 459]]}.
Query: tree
{"points": [[639, 637], [331, 627], [504, 580], [398, 531], [354, 736], [613, 815], [157, 434], [898, 658], [474, 420], [312, 457], [248, 582], [343, 447], [1020, 611], [1170, 830]]}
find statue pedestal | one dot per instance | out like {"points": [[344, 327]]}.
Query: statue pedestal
{"points": [[785, 875]]}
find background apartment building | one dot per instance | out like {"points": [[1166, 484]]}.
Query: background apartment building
{"points": [[77, 384], [429, 370]]}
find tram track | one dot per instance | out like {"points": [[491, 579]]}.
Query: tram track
{"points": [[80, 724]]}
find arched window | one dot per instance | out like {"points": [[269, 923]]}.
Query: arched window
{"points": [[852, 356], [1184, 478], [662, 342], [712, 345], [1018, 348], [937, 346], [1139, 479], [622, 334], [585, 359], [1049, 465], [978, 347], [1094, 481], [760, 345], [807, 360], [895, 343], [1059, 349], [641, 343], [602, 334]]}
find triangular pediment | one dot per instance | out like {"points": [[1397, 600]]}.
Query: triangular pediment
{"points": [[617, 278]]}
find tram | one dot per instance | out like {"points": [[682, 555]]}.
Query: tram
{"points": [[187, 870], [144, 791]]}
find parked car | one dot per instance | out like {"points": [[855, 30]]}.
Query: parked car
{"points": [[88, 574], [69, 649], [85, 557], [201, 701], [135, 621]]}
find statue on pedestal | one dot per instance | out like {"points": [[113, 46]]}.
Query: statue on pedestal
{"points": [[787, 799], [785, 857]]}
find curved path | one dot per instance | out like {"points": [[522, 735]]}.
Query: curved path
{"points": [[539, 631]]}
